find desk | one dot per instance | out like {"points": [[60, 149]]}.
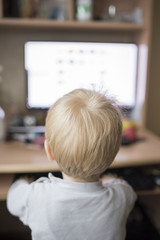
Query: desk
{"points": [[18, 157]]}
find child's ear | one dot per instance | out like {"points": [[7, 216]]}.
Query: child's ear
{"points": [[48, 151]]}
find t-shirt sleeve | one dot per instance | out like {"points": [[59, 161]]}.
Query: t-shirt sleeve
{"points": [[17, 199], [20, 196], [126, 196]]}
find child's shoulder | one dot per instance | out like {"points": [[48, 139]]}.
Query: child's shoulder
{"points": [[121, 190]]}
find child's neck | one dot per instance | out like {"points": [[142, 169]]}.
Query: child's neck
{"points": [[72, 179]]}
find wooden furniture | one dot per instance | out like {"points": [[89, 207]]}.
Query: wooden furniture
{"points": [[18, 157], [70, 29]]}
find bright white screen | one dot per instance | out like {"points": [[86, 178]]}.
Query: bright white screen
{"points": [[55, 68]]}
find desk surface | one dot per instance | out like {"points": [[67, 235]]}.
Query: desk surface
{"points": [[18, 157]]}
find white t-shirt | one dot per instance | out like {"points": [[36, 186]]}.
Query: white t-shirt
{"points": [[56, 209]]}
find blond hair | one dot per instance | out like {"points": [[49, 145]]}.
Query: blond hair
{"points": [[83, 129]]}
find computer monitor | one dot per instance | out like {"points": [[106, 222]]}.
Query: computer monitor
{"points": [[55, 68]]}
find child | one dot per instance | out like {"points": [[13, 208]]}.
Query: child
{"points": [[83, 134]]}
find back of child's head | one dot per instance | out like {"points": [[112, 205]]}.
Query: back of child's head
{"points": [[83, 129]]}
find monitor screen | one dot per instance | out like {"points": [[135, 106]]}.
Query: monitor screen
{"points": [[55, 68]]}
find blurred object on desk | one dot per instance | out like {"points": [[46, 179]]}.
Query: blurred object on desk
{"points": [[2, 125], [129, 132], [27, 134]]}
